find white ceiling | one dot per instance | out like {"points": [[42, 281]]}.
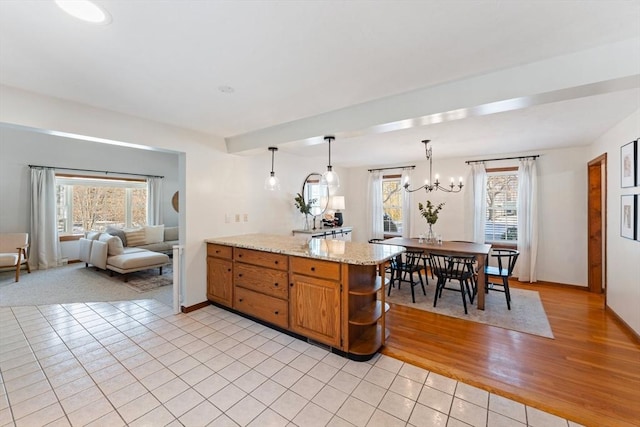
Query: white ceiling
{"points": [[290, 60]]}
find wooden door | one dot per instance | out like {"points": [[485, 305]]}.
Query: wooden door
{"points": [[597, 214], [219, 281], [314, 309]]}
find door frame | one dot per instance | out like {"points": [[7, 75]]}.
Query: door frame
{"points": [[597, 224]]}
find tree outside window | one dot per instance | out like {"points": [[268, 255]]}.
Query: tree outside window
{"points": [[502, 205], [392, 193], [87, 204]]}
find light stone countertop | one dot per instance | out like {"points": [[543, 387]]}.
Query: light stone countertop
{"points": [[327, 249]]}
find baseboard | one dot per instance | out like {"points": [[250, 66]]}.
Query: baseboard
{"points": [[194, 307], [551, 284], [633, 334]]}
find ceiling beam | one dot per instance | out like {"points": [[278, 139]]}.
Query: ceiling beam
{"points": [[591, 72]]}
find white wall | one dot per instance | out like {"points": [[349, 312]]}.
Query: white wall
{"points": [[623, 255], [563, 222]]}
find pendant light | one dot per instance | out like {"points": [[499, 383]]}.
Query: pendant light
{"points": [[272, 183], [330, 178]]}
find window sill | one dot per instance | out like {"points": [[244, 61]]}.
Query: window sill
{"points": [[503, 245], [70, 237]]}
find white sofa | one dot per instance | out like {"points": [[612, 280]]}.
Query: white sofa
{"points": [[107, 252], [166, 238]]}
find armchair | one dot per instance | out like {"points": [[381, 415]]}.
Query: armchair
{"points": [[13, 252]]}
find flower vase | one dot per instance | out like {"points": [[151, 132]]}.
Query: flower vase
{"points": [[431, 238], [307, 226]]}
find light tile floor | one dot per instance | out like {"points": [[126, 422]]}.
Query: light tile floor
{"points": [[135, 363]]}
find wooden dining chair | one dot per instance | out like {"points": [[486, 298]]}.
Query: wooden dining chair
{"points": [[506, 260], [449, 268], [402, 270]]}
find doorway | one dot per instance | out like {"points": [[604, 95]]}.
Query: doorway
{"points": [[597, 224]]}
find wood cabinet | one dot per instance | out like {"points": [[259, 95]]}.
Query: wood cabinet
{"points": [[334, 303], [220, 274], [260, 284], [315, 300]]}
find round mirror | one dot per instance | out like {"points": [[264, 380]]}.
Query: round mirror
{"points": [[315, 193]]}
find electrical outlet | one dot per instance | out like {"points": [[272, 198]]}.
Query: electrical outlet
{"points": [[246, 217], [237, 217]]}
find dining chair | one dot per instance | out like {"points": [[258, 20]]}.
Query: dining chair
{"points": [[448, 268], [506, 259], [402, 270]]}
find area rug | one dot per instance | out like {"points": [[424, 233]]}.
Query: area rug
{"points": [[147, 280], [526, 315]]}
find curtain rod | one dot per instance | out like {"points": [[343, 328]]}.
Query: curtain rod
{"points": [[92, 170], [397, 167], [535, 156]]}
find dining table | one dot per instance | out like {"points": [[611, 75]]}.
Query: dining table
{"points": [[480, 250]]}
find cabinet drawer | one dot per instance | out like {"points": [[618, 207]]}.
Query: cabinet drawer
{"points": [[260, 279], [313, 267], [219, 251], [270, 309], [264, 259]]}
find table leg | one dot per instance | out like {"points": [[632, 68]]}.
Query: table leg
{"points": [[481, 281]]}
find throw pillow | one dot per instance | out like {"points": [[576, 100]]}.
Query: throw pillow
{"points": [[170, 234], [154, 234], [93, 235], [117, 232], [136, 237], [114, 244]]}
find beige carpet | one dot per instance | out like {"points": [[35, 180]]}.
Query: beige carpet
{"points": [[526, 315], [75, 283]]}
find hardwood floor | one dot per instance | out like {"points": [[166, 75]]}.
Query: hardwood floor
{"points": [[590, 372]]}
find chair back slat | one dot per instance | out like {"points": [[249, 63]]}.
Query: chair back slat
{"points": [[506, 258]]}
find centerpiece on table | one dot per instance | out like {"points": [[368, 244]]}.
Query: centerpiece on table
{"points": [[430, 213], [304, 208]]}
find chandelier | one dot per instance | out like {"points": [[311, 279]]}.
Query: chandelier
{"points": [[430, 185]]}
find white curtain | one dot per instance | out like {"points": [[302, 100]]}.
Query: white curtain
{"points": [[45, 245], [374, 202], [154, 201], [479, 183], [406, 205], [527, 220]]}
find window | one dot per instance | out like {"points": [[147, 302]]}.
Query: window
{"points": [[93, 204], [502, 205], [392, 204]]}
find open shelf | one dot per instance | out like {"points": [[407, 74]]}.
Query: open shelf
{"points": [[368, 343], [369, 315], [366, 288]]}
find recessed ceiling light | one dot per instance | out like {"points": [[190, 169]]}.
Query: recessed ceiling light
{"points": [[226, 89], [85, 10]]}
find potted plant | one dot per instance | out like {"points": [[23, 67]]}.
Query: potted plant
{"points": [[304, 208], [430, 213]]}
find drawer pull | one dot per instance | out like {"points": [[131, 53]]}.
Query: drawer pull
{"points": [[276, 312], [239, 299], [291, 284], [239, 274], [228, 269], [275, 284], [239, 255], [217, 251], [313, 269], [276, 262]]}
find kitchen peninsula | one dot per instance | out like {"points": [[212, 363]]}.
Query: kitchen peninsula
{"points": [[323, 290]]}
